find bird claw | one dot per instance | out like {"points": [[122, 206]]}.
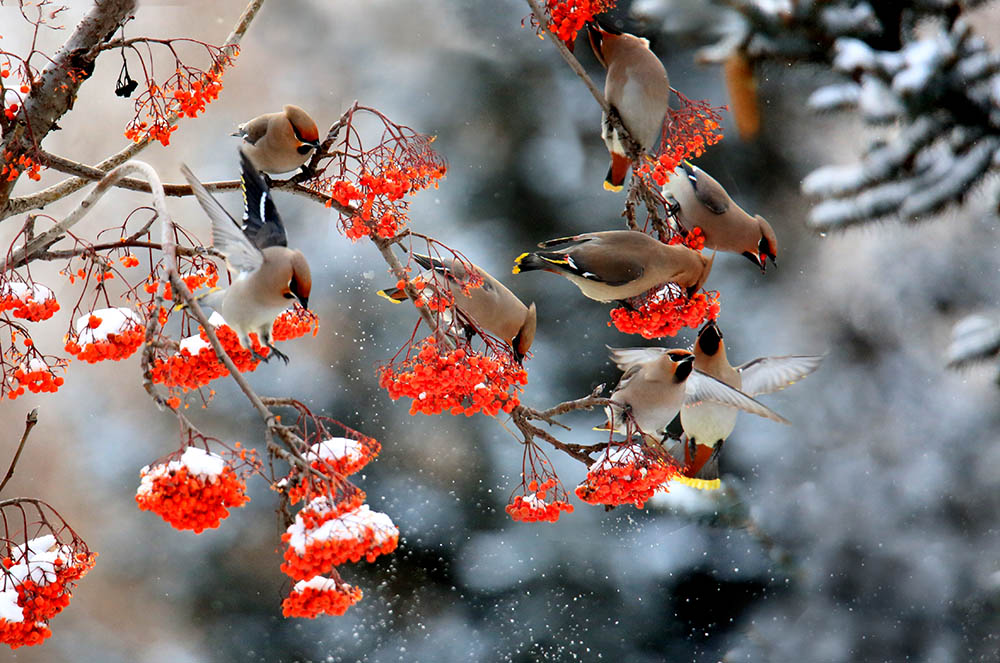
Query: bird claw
{"points": [[258, 356], [275, 352]]}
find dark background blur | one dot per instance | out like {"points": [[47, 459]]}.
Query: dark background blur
{"points": [[876, 510]]}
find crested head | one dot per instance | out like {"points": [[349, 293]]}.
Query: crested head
{"points": [[302, 124], [709, 339], [526, 335], [768, 244], [682, 363], [300, 285]]}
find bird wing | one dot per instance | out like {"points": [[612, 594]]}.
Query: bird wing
{"points": [[261, 221], [700, 387], [708, 192], [626, 358], [767, 374], [253, 130], [227, 236], [626, 377], [590, 261]]}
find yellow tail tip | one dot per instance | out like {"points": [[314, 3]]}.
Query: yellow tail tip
{"points": [[517, 263], [608, 186], [383, 293], [700, 484]]}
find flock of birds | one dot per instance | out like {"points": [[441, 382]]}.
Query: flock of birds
{"points": [[687, 399]]}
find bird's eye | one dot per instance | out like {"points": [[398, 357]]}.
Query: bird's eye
{"points": [[304, 149], [678, 356]]}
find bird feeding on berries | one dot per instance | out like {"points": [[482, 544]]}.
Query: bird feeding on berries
{"points": [[279, 142], [268, 276]]}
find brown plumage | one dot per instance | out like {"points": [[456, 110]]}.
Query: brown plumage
{"points": [[636, 88], [279, 142], [489, 305], [701, 201], [618, 264]]}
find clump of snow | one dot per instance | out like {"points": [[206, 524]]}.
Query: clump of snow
{"points": [[319, 583], [36, 561], [194, 344], [853, 54], [335, 449], [203, 464], [24, 291], [113, 321], [352, 526], [216, 319], [922, 59], [9, 609]]}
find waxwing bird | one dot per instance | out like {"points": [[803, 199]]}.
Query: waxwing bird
{"points": [[658, 382], [488, 305], [618, 264], [701, 201], [707, 425], [269, 276], [637, 90], [279, 142]]}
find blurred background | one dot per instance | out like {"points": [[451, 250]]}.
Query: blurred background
{"points": [[876, 529]]}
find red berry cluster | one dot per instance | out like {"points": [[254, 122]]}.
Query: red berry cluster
{"points": [[662, 312], [379, 215], [694, 239], [458, 381], [318, 541], [107, 334], [37, 376], [334, 457], [196, 364], [29, 302], [23, 163], [538, 505], [629, 474], [320, 596], [690, 129], [566, 17], [193, 492], [36, 583]]}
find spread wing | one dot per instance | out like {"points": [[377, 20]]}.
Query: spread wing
{"points": [[708, 192], [227, 236], [700, 387], [261, 221], [590, 262], [767, 374], [626, 358]]}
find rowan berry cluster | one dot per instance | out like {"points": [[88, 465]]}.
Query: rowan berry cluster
{"points": [[664, 310], [194, 491], [33, 302], [457, 381], [538, 505], [36, 583], [626, 474]]}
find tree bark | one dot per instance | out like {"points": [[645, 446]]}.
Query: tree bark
{"points": [[55, 91]]}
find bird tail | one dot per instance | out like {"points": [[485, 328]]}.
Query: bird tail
{"points": [[528, 262], [394, 295], [615, 179]]}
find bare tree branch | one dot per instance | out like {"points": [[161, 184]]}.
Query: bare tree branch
{"points": [[29, 423]]}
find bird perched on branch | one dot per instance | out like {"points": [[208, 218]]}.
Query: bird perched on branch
{"points": [[707, 425], [269, 277], [701, 201], [482, 301], [637, 90], [615, 265], [658, 382], [279, 142]]}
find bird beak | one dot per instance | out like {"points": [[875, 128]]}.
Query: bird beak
{"points": [[236, 133], [305, 302], [313, 143]]}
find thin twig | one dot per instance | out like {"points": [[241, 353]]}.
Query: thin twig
{"points": [[29, 423]]}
